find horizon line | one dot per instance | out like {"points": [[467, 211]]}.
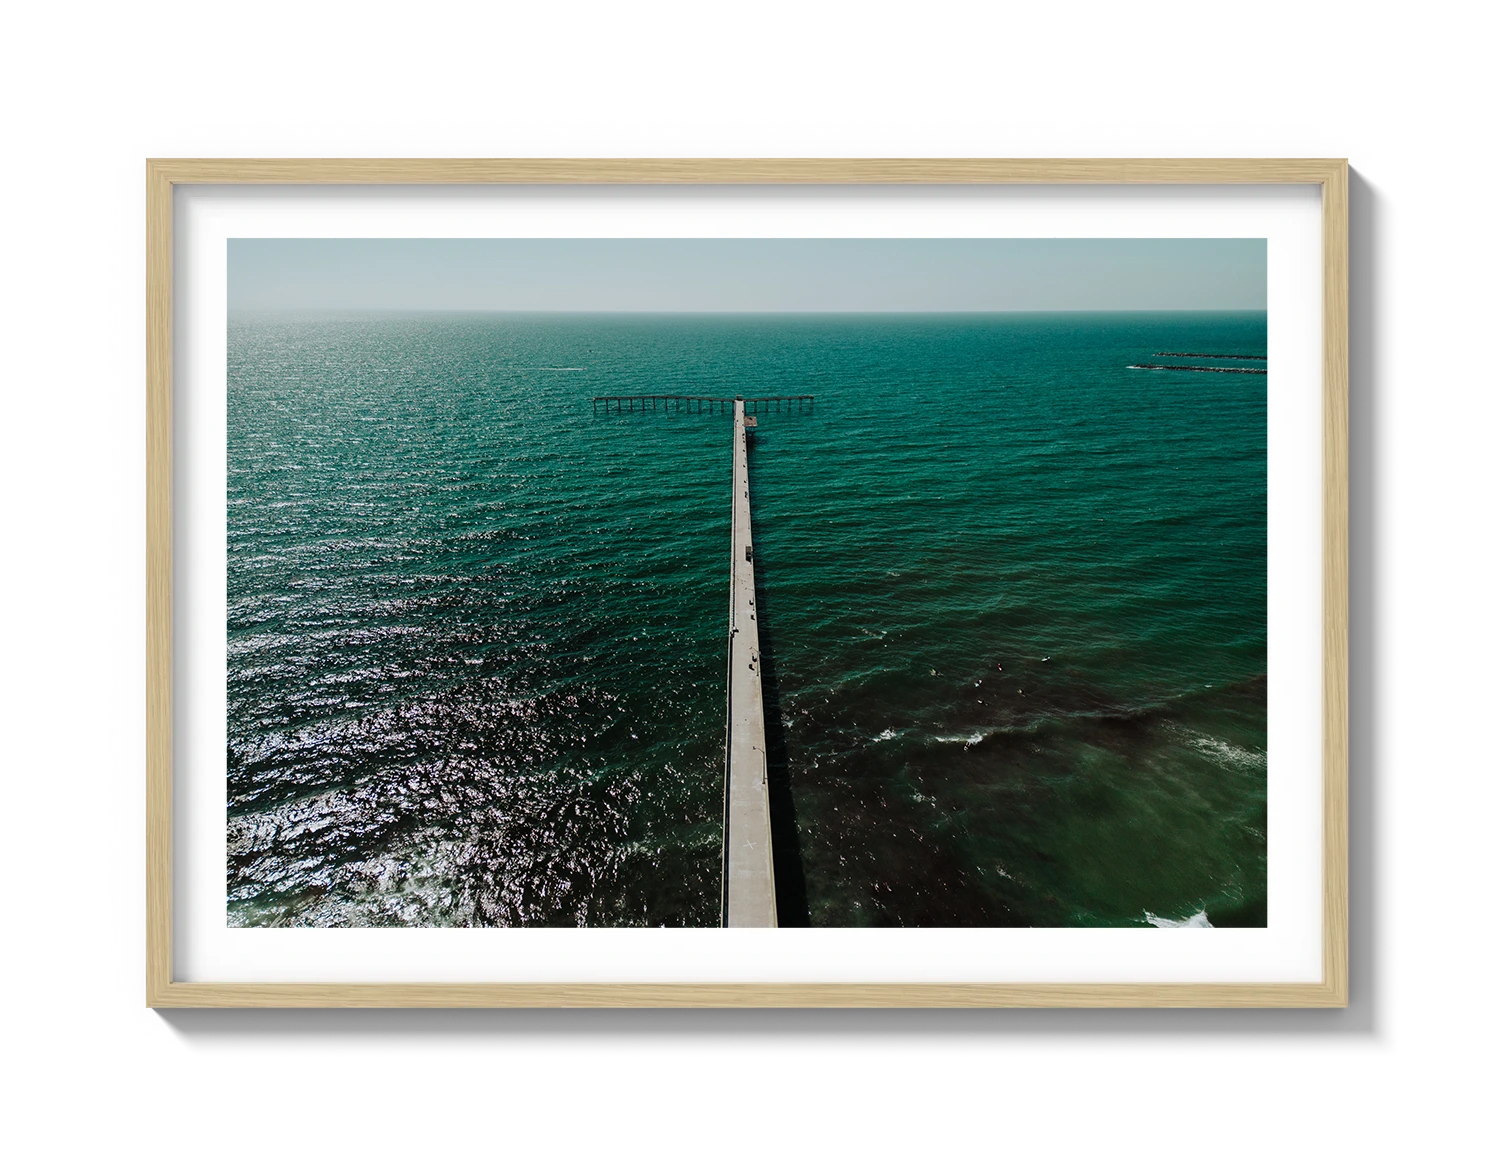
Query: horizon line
{"points": [[733, 312]]}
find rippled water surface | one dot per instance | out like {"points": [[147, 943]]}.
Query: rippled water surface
{"points": [[1013, 598]]}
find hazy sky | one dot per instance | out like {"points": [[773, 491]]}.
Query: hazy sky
{"points": [[747, 275]]}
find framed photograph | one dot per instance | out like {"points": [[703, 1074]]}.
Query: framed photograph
{"points": [[747, 583]]}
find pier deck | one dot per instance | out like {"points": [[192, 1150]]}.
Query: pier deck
{"points": [[749, 897]]}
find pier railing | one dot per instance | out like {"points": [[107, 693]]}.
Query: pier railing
{"points": [[697, 404]]}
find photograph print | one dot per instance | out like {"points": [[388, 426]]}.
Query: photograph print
{"points": [[746, 582]]}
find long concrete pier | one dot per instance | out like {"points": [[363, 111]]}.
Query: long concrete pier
{"points": [[749, 897]]}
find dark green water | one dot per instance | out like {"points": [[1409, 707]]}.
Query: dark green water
{"points": [[1013, 602]]}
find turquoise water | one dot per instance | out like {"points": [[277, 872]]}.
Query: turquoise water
{"points": [[1013, 602]]}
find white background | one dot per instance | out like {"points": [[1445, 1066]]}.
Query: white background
{"points": [[1404, 1076]]}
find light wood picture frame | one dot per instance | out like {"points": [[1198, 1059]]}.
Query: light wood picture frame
{"points": [[163, 176]]}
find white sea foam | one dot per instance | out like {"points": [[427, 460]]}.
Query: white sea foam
{"points": [[1228, 753], [1198, 921]]}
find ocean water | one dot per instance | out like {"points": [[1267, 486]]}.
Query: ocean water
{"points": [[1012, 592]]}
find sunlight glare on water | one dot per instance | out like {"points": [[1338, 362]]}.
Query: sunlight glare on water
{"points": [[1013, 616]]}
